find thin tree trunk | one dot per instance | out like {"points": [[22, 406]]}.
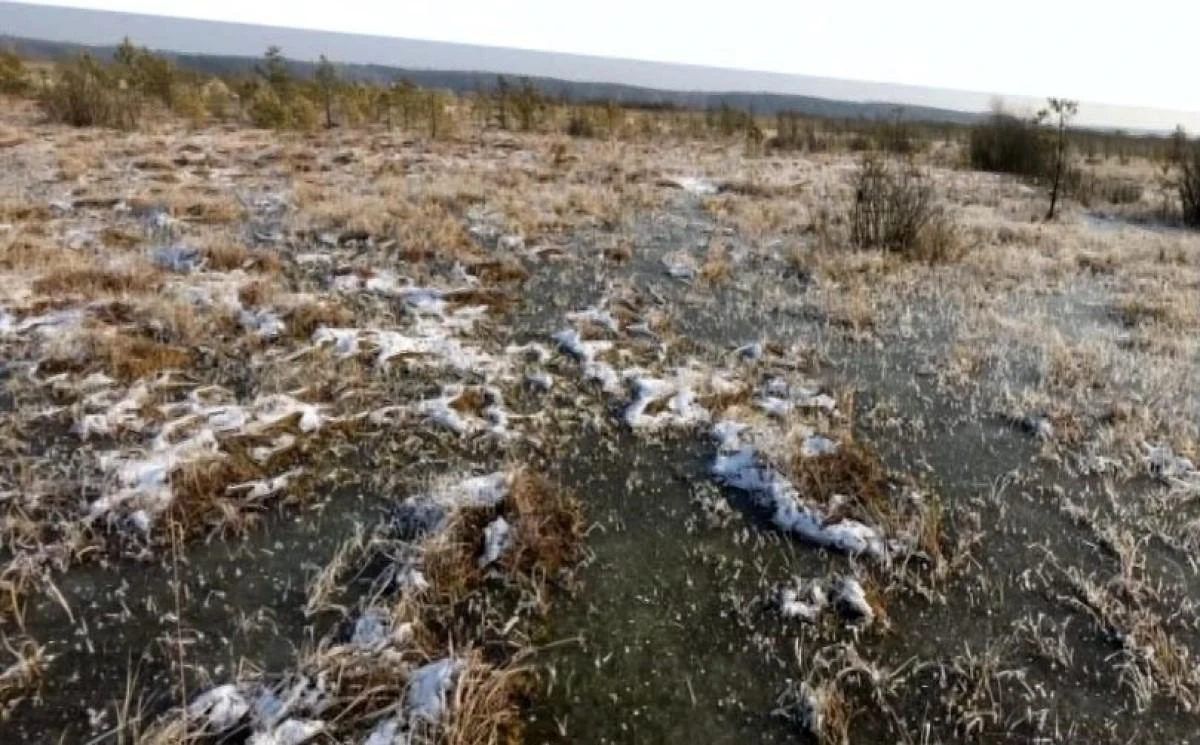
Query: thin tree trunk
{"points": [[1058, 166]]}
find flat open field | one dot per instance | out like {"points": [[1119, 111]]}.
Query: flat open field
{"points": [[359, 437]]}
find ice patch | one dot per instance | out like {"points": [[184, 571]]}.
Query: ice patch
{"points": [[817, 445], [693, 185], [1162, 463], [388, 732], [597, 317], [583, 351], [681, 265], [681, 410], [851, 600], [372, 629], [264, 488], [178, 258], [427, 690], [290, 732], [742, 469], [220, 708], [497, 538], [265, 322]]}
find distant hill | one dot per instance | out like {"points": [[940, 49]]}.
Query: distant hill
{"points": [[572, 91]]}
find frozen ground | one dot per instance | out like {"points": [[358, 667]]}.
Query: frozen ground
{"points": [[296, 431]]}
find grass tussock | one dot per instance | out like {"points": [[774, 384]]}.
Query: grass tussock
{"points": [[202, 500], [1169, 311], [485, 707], [26, 662], [854, 471], [717, 267], [20, 210], [226, 256], [94, 282], [498, 271], [304, 319], [547, 529], [131, 358], [116, 237]]}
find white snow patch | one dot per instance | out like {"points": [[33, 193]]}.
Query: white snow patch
{"points": [[220, 708], [497, 538], [290, 732], [428, 687]]}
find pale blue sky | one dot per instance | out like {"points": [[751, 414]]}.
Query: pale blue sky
{"points": [[1139, 57]]}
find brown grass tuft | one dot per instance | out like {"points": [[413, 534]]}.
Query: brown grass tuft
{"points": [[226, 256], [548, 526], [494, 271], [200, 493], [716, 267], [305, 319], [93, 282], [114, 237], [485, 706], [854, 471], [619, 252], [131, 357]]}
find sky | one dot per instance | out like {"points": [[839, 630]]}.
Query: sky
{"points": [[1136, 56]]}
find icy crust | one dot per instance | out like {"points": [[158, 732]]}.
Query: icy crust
{"points": [[673, 401], [138, 483], [740, 467], [291, 713], [808, 601]]}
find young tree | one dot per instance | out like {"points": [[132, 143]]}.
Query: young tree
{"points": [[274, 70], [327, 80], [528, 104], [501, 102], [126, 54], [1064, 110], [436, 109]]}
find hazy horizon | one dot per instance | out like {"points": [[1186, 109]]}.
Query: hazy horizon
{"points": [[102, 27]]}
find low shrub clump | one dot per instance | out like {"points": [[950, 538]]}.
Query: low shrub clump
{"points": [[1189, 183], [895, 210], [85, 93], [1008, 144]]}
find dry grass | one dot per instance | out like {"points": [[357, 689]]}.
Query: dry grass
{"points": [[304, 319], [547, 529], [548, 524], [131, 358], [226, 256], [93, 282], [854, 471], [485, 708], [24, 668], [716, 267], [203, 206]]}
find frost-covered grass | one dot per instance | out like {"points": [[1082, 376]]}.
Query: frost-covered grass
{"points": [[203, 327]]}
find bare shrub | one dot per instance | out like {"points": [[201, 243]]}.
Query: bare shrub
{"points": [[1189, 183], [1008, 144], [580, 125], [894, 209], [84, 93], [13, 77]]}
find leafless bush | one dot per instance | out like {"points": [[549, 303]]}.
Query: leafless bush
{"points": [[1008, 144], [84, 93], [895, 210], [1189, 183]]}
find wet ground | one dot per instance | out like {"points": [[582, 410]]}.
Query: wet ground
{"points": [[669, 636]]}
